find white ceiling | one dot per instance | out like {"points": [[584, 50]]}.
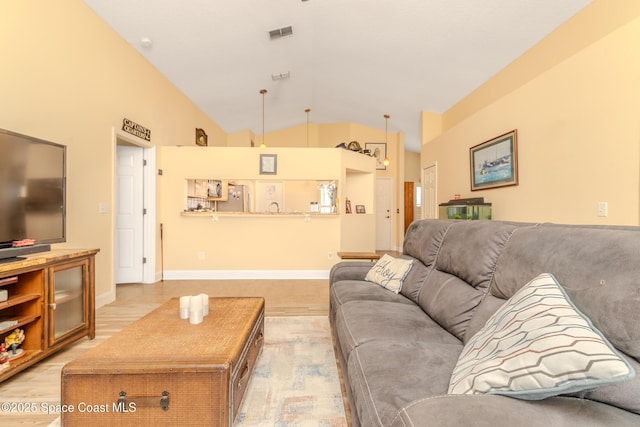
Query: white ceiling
{"points": [[349, 60]]}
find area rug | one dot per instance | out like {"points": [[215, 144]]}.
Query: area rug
{"points": [[295, 382]]}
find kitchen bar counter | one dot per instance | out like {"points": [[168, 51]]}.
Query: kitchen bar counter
{"points": [[258, 214]]}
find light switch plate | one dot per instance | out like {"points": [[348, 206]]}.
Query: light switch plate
{"points": [[603, 209]]}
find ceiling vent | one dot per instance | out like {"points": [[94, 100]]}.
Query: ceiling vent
{"points": [[281, 32], [281, 76]]}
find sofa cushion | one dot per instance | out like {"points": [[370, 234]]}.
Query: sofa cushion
{"points": [[598, 267], [360, 322], [625, 395], [424, 238], [359, 290], [471, 250], [387, 375], [415, 279], [348, 270], [462, 272], [535, 346], [389, 272], [450, 301], [500, 411], [486, 308]]}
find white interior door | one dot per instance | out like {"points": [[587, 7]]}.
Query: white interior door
{"points": [[384, 205], [129, 215], [429, 188]]}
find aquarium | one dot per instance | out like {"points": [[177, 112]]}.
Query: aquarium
{"points": [[466, 209]]}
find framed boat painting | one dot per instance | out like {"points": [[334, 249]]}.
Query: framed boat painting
{"points": [[494, 163]]}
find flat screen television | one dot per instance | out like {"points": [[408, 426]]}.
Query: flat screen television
{"points": [[32, 191]]}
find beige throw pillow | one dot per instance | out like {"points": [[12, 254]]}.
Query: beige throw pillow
{"points": [[389, 272]]}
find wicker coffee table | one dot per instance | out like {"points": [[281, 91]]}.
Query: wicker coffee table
{"points": [[162, 370]]}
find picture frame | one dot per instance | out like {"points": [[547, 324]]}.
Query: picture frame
{"points": [[347, 204], [360, 209], [218, 190], [379, 151], [494, 163], [268, 164], [202, 139]]}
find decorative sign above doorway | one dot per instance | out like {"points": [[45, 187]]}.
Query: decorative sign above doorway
{"points": [[135, 129]]}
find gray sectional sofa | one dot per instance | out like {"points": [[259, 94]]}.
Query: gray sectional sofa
{"points": [[398, 351]]}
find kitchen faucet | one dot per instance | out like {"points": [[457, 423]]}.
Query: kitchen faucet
{"points": [[276, 205]]}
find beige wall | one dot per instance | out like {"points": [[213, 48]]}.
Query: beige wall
{"points": [[332, 134], [412, 166], [267, 243], [68, 78], [578, 123]]}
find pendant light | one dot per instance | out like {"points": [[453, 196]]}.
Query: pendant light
{"points": [[263, 144], [386, 139], [307, 111]]}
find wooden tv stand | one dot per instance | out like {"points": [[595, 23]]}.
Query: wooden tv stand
{"points": [[51, 298]]}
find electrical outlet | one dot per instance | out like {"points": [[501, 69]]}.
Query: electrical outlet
{"points": [[201, 255], [603, 209]]}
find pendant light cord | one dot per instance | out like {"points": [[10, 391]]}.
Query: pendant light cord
{"points": [[263, 144], [386, 139], [307, 111]]}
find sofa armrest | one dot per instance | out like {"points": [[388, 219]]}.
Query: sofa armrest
{"points": [[349, 270], [499, 411]]}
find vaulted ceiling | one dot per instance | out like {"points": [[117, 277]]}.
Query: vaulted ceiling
{"points": [[346, 60]]}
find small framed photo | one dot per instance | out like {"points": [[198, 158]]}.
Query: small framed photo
{"points": [[360, 209], [201, 137], [494, 163], [268, 164], [348, 206], [379, 151], [217, 190]]}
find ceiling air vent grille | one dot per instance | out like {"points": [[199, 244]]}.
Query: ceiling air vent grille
{"points": [[281, 32]]}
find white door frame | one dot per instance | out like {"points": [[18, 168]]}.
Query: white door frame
{"points": [[129, 214], [388, 183], [427, 201], [149, 202]]}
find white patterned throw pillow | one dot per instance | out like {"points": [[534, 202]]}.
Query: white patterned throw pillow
{"points": [[537, 345], [389, 272]]}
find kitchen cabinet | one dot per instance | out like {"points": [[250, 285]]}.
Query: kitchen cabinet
{"points": [[197, 188]]}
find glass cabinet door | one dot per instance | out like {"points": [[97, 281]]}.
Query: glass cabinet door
{"points": [[67, 298]]}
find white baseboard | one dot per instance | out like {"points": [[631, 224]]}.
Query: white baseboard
{"points": [[244, 274], [105, 298]]}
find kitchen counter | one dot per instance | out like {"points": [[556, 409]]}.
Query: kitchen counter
{"points": [[215, 214]]}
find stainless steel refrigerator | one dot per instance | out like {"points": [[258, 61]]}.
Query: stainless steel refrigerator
{"points": [[238, 200]]}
